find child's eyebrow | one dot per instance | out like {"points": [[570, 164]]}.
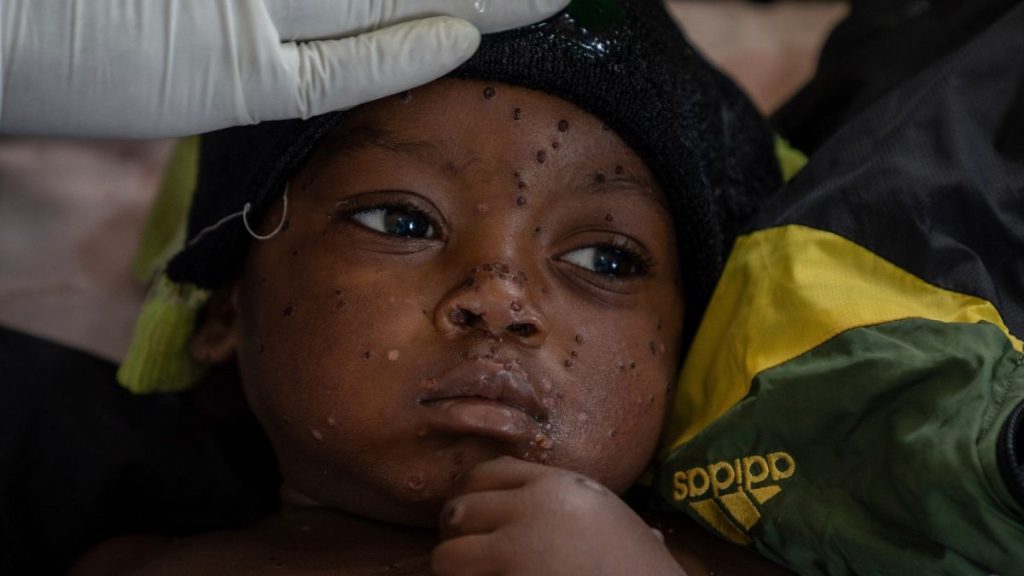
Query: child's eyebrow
{"points": [[363, 136], [599, 183]]}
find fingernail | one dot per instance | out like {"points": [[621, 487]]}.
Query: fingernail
{"points": [[452, 515], [592, 484], [659, 535]]}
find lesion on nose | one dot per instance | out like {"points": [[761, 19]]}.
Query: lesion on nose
{"points": [[493, 302], [522, 329], [464, 318]]}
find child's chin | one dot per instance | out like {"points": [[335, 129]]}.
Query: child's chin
{"points": [[422, 513]]}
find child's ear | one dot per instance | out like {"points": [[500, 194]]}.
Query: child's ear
{"points": [[215, 339]]}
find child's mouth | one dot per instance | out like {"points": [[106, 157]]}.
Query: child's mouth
{"points": [[483, 398]]}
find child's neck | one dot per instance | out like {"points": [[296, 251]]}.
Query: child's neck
{"points": [[308, 537]]}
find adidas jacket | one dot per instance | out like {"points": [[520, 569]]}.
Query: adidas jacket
{"points": [[854, 400]]}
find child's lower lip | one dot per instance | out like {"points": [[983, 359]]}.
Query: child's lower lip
{"points": [[473, 415]]}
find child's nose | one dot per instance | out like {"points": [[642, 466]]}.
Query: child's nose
{"points": [[494, 304]]}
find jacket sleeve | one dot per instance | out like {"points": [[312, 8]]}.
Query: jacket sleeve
{"points": [[888, 449], [851, 403]]}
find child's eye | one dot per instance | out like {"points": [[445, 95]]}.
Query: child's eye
{"points": [[402, 221], [606, 260]]}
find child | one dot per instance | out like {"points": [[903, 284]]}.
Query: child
{"points": [[466, 305]]}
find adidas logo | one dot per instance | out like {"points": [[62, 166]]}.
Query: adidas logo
{"points": [[734, 488]]}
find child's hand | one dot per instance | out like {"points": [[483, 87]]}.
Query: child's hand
{"points": [[516, 517]]}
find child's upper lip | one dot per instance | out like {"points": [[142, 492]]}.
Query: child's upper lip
{"points": [[490, 380]]}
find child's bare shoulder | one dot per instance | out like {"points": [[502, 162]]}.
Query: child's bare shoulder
{"points": [[310, 542]]}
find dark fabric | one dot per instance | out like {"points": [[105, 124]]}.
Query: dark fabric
{"points": [[624, 61], [241, 165], [934, 168], [1011, 453], [882, 44], [81, 459]]}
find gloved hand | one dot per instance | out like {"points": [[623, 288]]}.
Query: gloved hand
{"points": [[157, 68]]}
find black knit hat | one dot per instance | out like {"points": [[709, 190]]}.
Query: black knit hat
{"points": [[624, 61]]}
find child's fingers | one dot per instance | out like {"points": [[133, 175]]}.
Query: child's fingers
{"points": [[478, 513], [505, 473], [465, 556]]}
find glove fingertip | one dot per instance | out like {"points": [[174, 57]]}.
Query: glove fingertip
{"points": [[464, 37]]}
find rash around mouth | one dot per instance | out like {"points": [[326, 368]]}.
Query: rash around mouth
{"points": [[484, 398], [478, 416]]}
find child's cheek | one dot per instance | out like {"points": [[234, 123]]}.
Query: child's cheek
{"points": [[315, 335], [611, 400]]}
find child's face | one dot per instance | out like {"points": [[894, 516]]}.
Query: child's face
{"points": [[469, 271]]}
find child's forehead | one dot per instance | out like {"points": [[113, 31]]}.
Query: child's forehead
{"points": [[451, 108], [460, 122]]}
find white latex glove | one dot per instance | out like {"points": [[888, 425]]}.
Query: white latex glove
{"points": [[157, 68]]}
